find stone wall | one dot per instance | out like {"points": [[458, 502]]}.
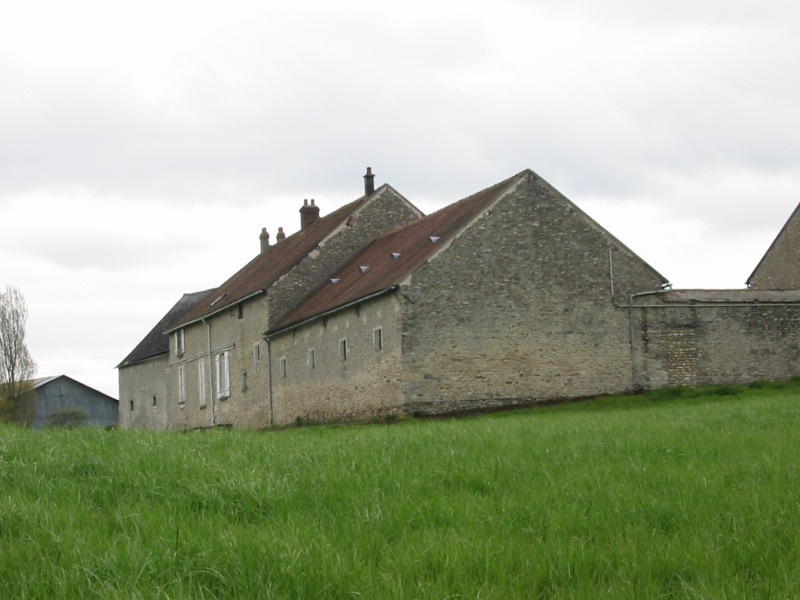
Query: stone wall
{"points": [[364, 385], [780, 267], [715, 344], [519, 308], [237, 331], [138, 385]]}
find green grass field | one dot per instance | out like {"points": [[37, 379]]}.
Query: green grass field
{"points": [[692, 494]]}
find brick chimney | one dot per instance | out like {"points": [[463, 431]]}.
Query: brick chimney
{"points": [[281, 236], [264, 237], [369, 182], [309, 214]]}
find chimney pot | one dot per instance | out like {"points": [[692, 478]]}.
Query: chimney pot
{"points": [[281, 236], [369, 182], [309, 214], [264, 237]]}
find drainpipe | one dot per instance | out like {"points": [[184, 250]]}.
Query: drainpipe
{"points": [[269, 383], [211, 395]]}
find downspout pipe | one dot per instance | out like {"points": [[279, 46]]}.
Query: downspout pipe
{"points": [[269, 383], [210, 378]]}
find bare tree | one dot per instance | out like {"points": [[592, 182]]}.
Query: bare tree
{"points": [[17, 367]]}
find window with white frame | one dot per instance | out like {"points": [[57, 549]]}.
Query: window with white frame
{"points": [[343, 349], [180, 342], [283, 367], [181, 384], [201, 383], [377, 338], [312, 358], [223, 374]]}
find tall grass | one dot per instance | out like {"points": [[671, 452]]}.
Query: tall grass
{"points": [[675, 494]]}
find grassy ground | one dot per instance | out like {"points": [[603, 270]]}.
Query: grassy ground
{"points": [[668, 495]]}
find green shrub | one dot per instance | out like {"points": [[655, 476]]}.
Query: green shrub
{"points": [[68, 418]]}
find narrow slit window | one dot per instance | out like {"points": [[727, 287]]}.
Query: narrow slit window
{"points": [[283, 367], [377, 338], [343, 349], [312, 358]]}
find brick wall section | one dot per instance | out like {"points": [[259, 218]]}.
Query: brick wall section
{"points": [[780, 267], [727, 344], [384, 212], [365, 386], [519, 308], [138, 384]]}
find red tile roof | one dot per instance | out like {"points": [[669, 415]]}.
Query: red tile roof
{"points": [[392, 257], [265, 269]]}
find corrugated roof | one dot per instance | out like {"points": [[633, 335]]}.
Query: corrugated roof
{"points": [[156, 342], [392, 257], [265, 269]]}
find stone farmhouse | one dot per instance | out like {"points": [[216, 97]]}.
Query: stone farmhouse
{"points": [[512, 295], [215, 371]]}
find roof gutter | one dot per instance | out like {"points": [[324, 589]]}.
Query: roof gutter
{"points": [[216, 312], [271, 334]]}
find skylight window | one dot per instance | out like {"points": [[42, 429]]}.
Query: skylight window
{"points": [[335, 280], [433, 239], [395, 255], [363, 268]]}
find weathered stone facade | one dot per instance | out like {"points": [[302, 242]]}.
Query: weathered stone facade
{"points": [[529, 299], [730, 337], [780, 267], [510, 296], [143, 392], [195, 378], [346, 367]]}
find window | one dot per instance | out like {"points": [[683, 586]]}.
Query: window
{"points": [[223, 375], [244, 381], [312, 358], [283, 367], [201, 383], [257, 352], [241, 311], [155, 400], [181, 384], [377, 338], [343, 349], [180, 342], [130, 404]]}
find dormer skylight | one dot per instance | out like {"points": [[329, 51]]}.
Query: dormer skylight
{"points": [[218, 299]]}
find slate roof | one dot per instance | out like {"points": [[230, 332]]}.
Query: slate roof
{"points": [[264, 270], [156, 342], [393, 256]]}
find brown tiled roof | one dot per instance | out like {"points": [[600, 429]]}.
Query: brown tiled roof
{"points": [[266, 268], [392, 257], [156, 342]]}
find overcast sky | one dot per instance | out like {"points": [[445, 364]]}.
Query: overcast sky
{"points": [[144, 145]]}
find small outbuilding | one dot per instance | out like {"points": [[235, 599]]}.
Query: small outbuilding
{"points": [[61, 399]]}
